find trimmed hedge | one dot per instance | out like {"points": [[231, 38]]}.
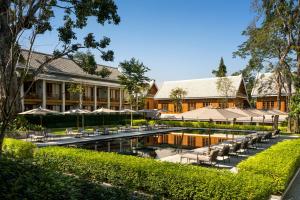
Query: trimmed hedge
{"points": [[26, 181], [63, 121], [164, 179], [279, 162], [211, 125], [18, 149]]}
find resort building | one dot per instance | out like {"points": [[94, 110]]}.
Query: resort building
{"points": [[204, 92], [150, 102], [265, 92], [51, 87]]}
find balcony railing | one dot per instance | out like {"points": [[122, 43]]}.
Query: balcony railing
{"points": [[53, 96], [114, 100], [88, 98], [102, 99], [32, 96]]}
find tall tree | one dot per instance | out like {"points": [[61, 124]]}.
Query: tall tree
{"points": [[33, 18], [226, 89], [134, 79], [275, 36], [222, 69], [177, 96]]}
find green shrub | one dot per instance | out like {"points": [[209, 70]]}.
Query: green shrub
{"points": [[194, 124], [139, 122], [26, 181], [278, 162], [164, 179], [18, 149]]}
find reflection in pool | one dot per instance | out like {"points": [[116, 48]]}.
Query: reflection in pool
{"points": [[163, 145]]}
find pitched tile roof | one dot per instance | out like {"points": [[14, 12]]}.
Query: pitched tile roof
{"points": [[67, 67], [198, 88], [265, 85]]}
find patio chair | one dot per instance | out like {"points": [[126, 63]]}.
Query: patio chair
{"points": [[189, 157], [224, 152], [210, 159], [48, 135], [97, 131], [106, 131], [259, 140], [267, 137], [252, 143], [235, 149], [275, 133], [244, 147]]}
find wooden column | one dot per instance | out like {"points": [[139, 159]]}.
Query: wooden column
{"points": [[63, 95], [44, 91]]}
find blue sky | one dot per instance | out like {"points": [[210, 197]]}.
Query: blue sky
{"points": [[176, 39]]}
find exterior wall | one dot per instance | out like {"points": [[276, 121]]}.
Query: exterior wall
{"points": [[199, 103], [150, 102], [269, 103], [59, 100]]}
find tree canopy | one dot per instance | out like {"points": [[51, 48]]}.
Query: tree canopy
{"points": [[222, 69], [177, 96], [134, 77], [29, 20]]}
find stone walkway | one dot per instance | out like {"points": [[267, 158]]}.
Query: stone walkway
{"points": [[234, 160], [294, 191]]}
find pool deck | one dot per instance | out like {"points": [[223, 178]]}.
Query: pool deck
{"points": [[69, 140]]}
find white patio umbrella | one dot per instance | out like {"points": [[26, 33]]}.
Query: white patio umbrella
{"points": [[104, 110], [40, 112], [78, 111], [206, 114], [210, 114], [128, 111], [247, 112]]}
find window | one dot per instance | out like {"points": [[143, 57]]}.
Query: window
{"points": [[191, 141], [165, 139], [206, 103], [191, 106], [223, 105], [177, 139], [164, 107], [268, 105], [205, 142]]}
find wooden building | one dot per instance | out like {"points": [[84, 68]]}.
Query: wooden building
{"points": [[203, 93], [50, 89], [265, 92], [150, 102]]}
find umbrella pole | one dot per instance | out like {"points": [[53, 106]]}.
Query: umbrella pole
{"points": [[82, 118], [41, 119], [209, 140], [131, 119], [77, 122]]}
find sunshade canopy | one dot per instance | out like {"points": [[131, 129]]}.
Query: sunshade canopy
{"points": [[39, 111], [77, 111], [246, 112], [105, 110], [127, 111], [207, 114]]}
